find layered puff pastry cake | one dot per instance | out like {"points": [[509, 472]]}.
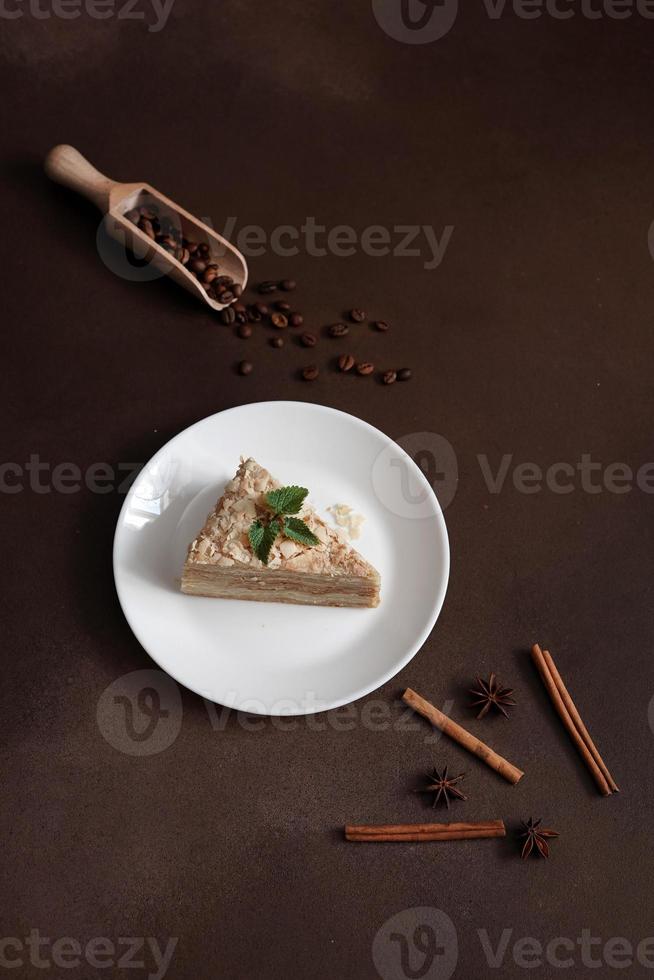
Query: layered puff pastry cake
{"points": [[250, 548]]}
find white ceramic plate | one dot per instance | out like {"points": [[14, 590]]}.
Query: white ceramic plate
{"points": [[270, 658]]}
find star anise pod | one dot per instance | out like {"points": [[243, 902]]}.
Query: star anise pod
{"points": [[534, 834], [443, 786], [490, 695]]}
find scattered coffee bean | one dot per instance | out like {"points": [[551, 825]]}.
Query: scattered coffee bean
{"points": [[288, 285], [240, 308], [227, 316], [365, 367], [404, 374], [245, 367], [261, 308], [283, 306], [339, 330], [308, 340], [389, 377], [279, 320], [277, 342], [244, 330], [345, 362], [357, 316], [296, 319], [380, 325], [310, 373], [267, 287], [253, 315]]}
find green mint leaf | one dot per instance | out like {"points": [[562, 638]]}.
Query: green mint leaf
{"points": [[297, 530], [286, 500], [262, 538]]}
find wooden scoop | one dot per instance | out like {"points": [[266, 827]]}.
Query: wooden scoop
{"points": [[65, 165]]}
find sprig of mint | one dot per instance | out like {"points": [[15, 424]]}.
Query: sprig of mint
{"points": [[283, 503]]}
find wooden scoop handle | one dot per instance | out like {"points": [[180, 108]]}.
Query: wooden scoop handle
{"points": [[66, 165]]}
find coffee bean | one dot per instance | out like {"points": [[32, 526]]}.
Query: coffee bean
{"points": [[197, 266], [389, 377], [149, 213], [237, 289], [240, 308], [365, 367], [223, 280], [240, 317], [357, 316], [277, 342], [253, 315], [146, 226], [227, 316], [226, 296], [267, 287], [245, 367], [380, 325], [310, 373], [208, 276], [279, 320], [283, 306], [190, 245], [404, 374], [244, 330], [339, 330], [345, 362], [261, 308], [308, 340], [182, 254], [203, 248], [296, 319], [288, 285]]}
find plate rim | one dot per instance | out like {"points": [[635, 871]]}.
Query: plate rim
{"points": [[412, 651]]}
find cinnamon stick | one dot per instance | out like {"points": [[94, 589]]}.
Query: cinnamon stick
{"points": [[566, 717], [424, 832], [576, 717], [464, 738]]}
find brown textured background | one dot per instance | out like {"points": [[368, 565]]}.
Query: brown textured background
{"points": [[534, 338]]}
